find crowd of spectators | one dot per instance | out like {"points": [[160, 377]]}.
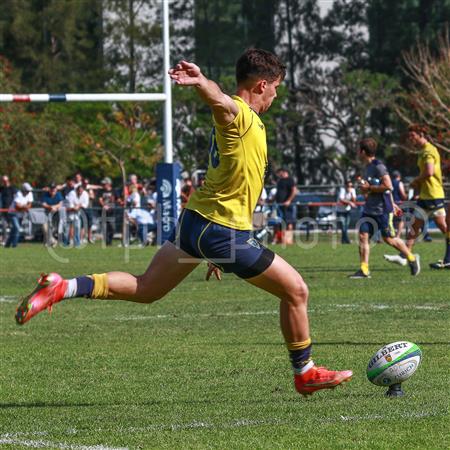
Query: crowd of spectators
{"points": [[78, 211]]}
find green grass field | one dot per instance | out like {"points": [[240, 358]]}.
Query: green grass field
{"points": [[206, 367]]}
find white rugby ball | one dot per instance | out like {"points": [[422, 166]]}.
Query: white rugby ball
{"points": [[394, 363]]}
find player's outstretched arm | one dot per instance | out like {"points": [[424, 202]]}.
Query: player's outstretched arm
{"points": [[223, 107]]}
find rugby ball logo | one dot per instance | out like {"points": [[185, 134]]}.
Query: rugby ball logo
{"points": [[394, 363]]}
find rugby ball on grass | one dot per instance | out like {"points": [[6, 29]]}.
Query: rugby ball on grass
{"points": [[394, 363]]}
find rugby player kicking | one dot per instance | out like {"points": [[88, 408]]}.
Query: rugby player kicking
{"points": [[216, 223]]}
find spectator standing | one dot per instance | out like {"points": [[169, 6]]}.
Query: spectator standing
{"points": [[107, 202], [77, 179], [286, 191], [91, 190], [75, 201], [21, 203], [7, 192], [51, 202], [346, 202], [134, 198]]}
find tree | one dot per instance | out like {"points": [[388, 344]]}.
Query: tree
{"points": [[298, 34], [56, 46], [341, 108], [394, 26], [345, 37], [235, 26], [36, 146], [427, 98], [126, 139]]}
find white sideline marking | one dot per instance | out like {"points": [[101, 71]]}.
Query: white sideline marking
{"points": [[59, 445], [185, 316], [355, 307], [19, 438], [8, 299], [410, 415]]}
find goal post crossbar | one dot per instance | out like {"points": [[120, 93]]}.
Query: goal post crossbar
{"points": [[101, 97]]}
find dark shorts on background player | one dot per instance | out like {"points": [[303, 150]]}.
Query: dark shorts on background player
{"points": [[231, 250], [435, 207], [384, 223], [287, 213]]}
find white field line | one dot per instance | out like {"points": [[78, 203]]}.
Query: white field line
{"points": [[354, 307], [408, 415], [49, 444], [20, 438], [8, 299]]}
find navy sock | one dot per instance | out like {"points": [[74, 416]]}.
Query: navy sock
{"points": [[299, 358], [85, 286]]}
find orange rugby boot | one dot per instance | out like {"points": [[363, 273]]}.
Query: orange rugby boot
{"points": [[49, 290], [317, 378]]}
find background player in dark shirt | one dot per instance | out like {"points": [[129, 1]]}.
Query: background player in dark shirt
{"points": [[284, 197]]}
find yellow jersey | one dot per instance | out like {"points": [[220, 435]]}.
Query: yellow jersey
{"points": [[235, 176], [432, 187]]}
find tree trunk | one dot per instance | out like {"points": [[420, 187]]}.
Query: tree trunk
{"points": [[292, 98]]}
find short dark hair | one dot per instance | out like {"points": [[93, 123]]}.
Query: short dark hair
{"points": [[368, 146], [259, 64], [417, 128]]}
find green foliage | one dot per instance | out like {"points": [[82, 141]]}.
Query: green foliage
{"points": [[396, 26], [36, 146], [224, 29], [206, 367], [55, 45], [344, 107], [427, 99], [124, 139]]}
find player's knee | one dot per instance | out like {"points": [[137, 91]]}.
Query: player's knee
{"points": [[299, 293]]}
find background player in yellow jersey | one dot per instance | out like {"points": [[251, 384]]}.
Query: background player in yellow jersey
{"points": [[216, 223], [431, 202]]}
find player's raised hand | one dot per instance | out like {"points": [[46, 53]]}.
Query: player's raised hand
{"points": [[212, 269], [186, 73]]}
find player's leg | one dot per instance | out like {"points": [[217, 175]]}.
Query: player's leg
{"points": [[364, 253], [445, 263], [283, 281], [165, 271], [386, 224], [414, 232], [440, 221], [412, 259]]}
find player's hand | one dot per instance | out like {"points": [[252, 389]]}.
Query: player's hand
{"points": [[364, 186], [186, 73], [398, 212], [212, 269]]}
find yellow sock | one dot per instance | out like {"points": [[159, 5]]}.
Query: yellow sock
{"points": [[448, 235], [365, 268], [298, 345], [101, 289], [410, 257]]}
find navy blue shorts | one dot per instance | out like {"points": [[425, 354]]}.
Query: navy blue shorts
{"points": [[383, 223], [288, 213], [231, 250]]}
